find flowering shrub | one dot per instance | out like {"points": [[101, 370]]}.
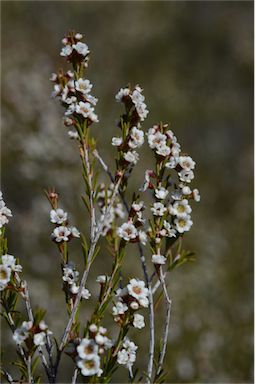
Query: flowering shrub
{"points": [[159, 226]]}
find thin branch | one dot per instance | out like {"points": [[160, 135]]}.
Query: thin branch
{"points": [[8, 376], [167, 322], [75, 374]]}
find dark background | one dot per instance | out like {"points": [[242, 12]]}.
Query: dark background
{"points": [[195, 63]]}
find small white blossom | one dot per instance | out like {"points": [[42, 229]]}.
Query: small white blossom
{"points": [[89, 366], [180, 208], [186, 176], [83, 85], [102, 279], [137, 138], [156, 140], [196, 195], [81, 48], [85, 294], [127, 355], [119, 308], [21, 334], [161, 193], [78, 36], [73, 135], [142, 237], [187, 163], [138, 206], [158, 259], [87, 348], [172, 163], [117, 141], [70, 275], [131, 157], [66, 51], [122, 93], [61, 234], [134, 305], [137, 289], [5, 276], [138, 321], [74, 232], [84, 109], [168, 230], [93, 328], [127, 231], [40, 338], [4, 212], [163, 150], [158, 209], [186, 190], [183, 224], [10, 262], [58, 216]]}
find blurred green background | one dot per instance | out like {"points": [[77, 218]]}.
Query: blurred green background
{"points": [[195, 63]]}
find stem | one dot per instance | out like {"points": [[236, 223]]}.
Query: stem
{"points": [[75, 374]]}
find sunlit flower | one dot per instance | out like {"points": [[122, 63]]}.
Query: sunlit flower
{"points": [[66, 51], [158, 209], [119, 308], [187, 163], [180, 208], [40, 338], [137, 138], [61, 234], [127, 231], [22, 333], [138, 321], [117, 141], [131, 157], [137, 289], [196, 195], [186, 176], [84, 109], [122, 93], [58, 216], [10, 261], [90, 365], [5, 276], [87, 348], [70, 275], [83, 85], [183, 224], [161, 193], [81, 48], [158, 259]]}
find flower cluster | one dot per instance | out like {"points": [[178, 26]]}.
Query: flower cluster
{"points": [[62, 232], [70, 278], [90, 349], [72, 89], [8, 266], [130, 231], [37, 333], [127, 355], [171, 210], [5, 212], [104, 196], [132, 136]]}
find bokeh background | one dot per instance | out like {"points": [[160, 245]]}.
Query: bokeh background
{"points": [[194, 61]]}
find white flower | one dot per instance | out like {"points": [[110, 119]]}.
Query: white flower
{"points": [[89, 366], [158, 209], [5, 276], [122, 92], [186, 176], [163, 150], [10, 261], [142, 237], [61, 234], [196, 195], [137, 289], [91, 99], [58, 216], [119, 308], [66, 51], [93, 328], [142, 111], [117, 141], [186, 163], [170, 134], [87, 348], [100, 339], [39, 338], [172, 163], [131, 157], [176, 194], [183, 224], [161, 193], [93, 117], [84, 109], [127, 231], [83, 86], [4, 212], [156, 140], [138, 206], [74, 289], [73, 135], [186, 190], [21, 334], [158, 259], [180, 208], [168, 230], [144, 302], [138, 321], [43, 326], [127, 355], [74, 232], [136, 96], [78, 36], [137, 138], [134, 305], [70, 110], [101, 279], [70, 275], [81, 48]]}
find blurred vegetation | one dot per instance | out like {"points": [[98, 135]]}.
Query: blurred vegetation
{"points": [[194, 61]]}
